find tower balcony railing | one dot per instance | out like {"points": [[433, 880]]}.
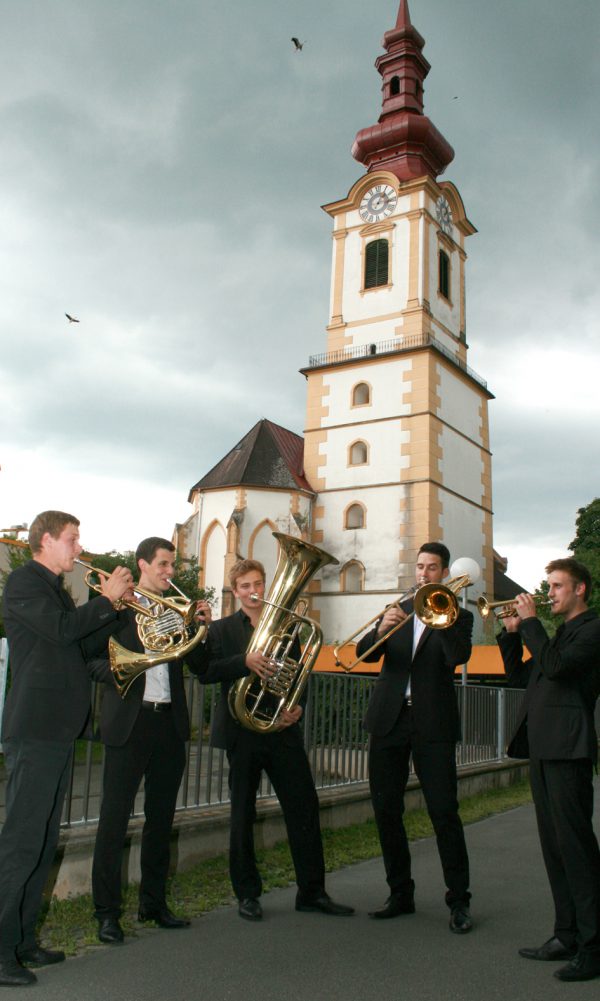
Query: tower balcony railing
{"points": [[398, 345]]}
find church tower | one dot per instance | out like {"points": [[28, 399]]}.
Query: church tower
{"points": [[396, 439]]}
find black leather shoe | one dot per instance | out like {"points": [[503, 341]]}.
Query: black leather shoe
{"points": [[394, 907], [12, 974], [460, 920], [583, 966], [250, 909], [552, 951], [110, 931], [324, 904], [38, 956], [164, 918]]}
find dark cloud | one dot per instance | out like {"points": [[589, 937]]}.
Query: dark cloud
{"points": [[162, 168]]}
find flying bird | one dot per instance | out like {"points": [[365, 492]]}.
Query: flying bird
{"points": [[298, 45], [71, 319]]}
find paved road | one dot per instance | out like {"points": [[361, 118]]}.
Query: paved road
{"points": [[308, 957]]}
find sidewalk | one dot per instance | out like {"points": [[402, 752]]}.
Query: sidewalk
{"points": [[308, 957]]}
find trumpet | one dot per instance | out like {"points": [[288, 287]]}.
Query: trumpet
{"points": [[435, 605], [165, 626], [151, 610], [503, 609]]}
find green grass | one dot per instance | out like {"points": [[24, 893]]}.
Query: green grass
{"points": [[69, 924]]}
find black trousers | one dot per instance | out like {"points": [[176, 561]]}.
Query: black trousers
{"points": [[435, 765], [288, 769], [155, 752], [563, 794], [38, 775]]}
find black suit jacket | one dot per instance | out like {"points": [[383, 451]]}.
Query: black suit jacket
{"points": [[435, 707], [556, 717], [50, 640], [118, 715], [227, 643]]}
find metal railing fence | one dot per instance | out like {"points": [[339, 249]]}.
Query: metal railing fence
{"points": [[336, 744]]}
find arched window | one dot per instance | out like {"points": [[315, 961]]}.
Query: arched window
{"points": [[444, 269], [376, 263], [394, 86], [361, 394], [352, 577], [358, 454], [355, 516]]}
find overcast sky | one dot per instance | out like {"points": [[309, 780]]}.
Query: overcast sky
{"points": [[162, 168]]}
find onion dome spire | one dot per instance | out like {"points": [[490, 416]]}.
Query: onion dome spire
{"points": [[404, 141]]}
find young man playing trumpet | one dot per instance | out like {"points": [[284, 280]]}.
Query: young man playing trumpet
{"points": [[144, 735], [413, 711], [48, 706], [279, 753], [556, 731]]}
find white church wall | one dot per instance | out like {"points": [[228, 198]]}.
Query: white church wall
{"points": [[384, 442], [461, 404], [341, 614], [214, 564], [461, 465], [387, 392], [376, 546]]}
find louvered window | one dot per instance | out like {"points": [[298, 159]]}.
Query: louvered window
{"points": [[444, 275], [376, 264]]}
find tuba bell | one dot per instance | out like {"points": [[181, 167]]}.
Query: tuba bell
{"points": [[258, 703]]}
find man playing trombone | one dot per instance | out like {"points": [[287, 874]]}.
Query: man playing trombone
{"points": [[556, 731], [413, 711]]}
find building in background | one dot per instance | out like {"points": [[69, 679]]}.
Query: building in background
{"points": [[396, 444]]}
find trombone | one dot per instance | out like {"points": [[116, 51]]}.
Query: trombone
{"points": [[503, 609], [435, 605]]}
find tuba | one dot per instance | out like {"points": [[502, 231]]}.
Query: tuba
{"points": [[166, 627], [257, 703]]}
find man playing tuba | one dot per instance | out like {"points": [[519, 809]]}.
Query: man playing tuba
{"points": [[279, 753]]}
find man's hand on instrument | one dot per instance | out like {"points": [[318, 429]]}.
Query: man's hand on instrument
{"points": [[511, 622], [288, 717], [203, 612], [391, 617], [118, 585], [259, 664], [525, 606]]}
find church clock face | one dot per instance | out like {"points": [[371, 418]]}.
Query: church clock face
{"points": [[378, 203], [443, 214]]}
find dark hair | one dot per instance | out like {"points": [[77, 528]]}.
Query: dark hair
{"points": [[437, 549], [243, 567], [148, 548], [49, 521], [578, 573]]}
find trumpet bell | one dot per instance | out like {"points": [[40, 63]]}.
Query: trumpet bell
{"points": [[436, 606]]}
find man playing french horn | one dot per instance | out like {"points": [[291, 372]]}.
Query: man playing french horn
{"points": [[144, 732], [413, 711]]}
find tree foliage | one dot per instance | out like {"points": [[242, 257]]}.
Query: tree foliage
{"points": [[17, 555], [585, 548], [186, 577]]}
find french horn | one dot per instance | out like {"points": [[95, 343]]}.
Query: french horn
{"points": [[166, 628]]}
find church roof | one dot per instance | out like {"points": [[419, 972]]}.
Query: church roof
{"points": [[268, 456]]}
